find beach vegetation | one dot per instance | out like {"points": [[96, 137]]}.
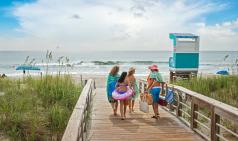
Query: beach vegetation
{"points": [[221, 88], [232, 66], [37, 108]]}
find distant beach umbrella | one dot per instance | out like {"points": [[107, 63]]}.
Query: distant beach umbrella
{"points": [[223, 72], [27, 67]]}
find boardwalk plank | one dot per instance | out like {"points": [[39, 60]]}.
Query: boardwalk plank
{"points": [[138, 126]]}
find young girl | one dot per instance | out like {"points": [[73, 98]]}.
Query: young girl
{"points": [[122, 93]]}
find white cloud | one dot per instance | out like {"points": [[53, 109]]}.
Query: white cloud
{"points": [[116, 25], [220, 36]]}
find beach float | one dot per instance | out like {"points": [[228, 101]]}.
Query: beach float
{"points": [[122, 95]]}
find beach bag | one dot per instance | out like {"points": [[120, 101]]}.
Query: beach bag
{"points": [[169, 96], [149, 98], [144, 107], [162, 101]]}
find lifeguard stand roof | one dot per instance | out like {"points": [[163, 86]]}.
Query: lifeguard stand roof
{"points": [[182, 35]]}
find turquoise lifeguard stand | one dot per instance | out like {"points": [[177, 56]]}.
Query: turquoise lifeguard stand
{"points": [[185, 60]]}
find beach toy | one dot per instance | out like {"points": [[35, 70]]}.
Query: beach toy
{"points": [[223, 72], [122, 95]]}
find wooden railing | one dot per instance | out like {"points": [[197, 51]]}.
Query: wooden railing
{"points": [[78, 125], [211, 119]]}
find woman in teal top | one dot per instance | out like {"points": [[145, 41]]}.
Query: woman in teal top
{"points": [[154, 88], [111, 85]]}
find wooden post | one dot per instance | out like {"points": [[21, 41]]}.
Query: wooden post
{"points": [[140, 86], [145, 87], [217, 119], [171, 76], [171, 105], [81, 78], [166, 91], [194, 108], [214, 128], [94, 84], [166, 88], [178, 112], [82, 130], [162, 93]]}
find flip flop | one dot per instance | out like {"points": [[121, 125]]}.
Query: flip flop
{"points": [[153, 117], [156, 117]]}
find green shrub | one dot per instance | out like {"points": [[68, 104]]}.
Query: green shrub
{"points": [[222, 88], [37, 108]]}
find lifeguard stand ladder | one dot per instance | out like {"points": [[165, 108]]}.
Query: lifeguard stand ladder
{"points": [[185, 60]]}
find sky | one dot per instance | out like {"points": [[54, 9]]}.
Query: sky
{"points": [[88, 25]]}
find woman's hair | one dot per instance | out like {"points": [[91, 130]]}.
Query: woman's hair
{"points": [[131, 71], [122, 77], [114, 71]]}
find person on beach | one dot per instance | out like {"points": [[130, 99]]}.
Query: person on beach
{"points": [[4, 75], [154, 79], [131, 80], [122, 93], [111, 85]]}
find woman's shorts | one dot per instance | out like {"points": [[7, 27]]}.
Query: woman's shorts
{"points": [[155, 92]]}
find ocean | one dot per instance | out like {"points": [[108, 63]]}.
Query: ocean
{"points": [[100, 63]]}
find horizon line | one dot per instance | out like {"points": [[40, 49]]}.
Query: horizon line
{"points": [[74, 51]]}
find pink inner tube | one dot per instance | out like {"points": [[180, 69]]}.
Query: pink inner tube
{"points": [[122, 96]]}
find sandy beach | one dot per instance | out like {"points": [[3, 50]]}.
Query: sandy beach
{"points": [[99, 79]]}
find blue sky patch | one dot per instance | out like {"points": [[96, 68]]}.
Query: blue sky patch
{"points": [[9, 22], [229, 13]]}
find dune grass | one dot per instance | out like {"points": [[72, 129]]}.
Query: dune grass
{"points": [[222, 88], [37, 108]]}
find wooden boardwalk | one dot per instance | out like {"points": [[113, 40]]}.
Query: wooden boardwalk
{"points": [[137, 126]]}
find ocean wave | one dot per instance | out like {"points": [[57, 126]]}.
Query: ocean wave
{"points": [[119, 62], [106, 62], [110, 63], [150, 62], [53, 64]]}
